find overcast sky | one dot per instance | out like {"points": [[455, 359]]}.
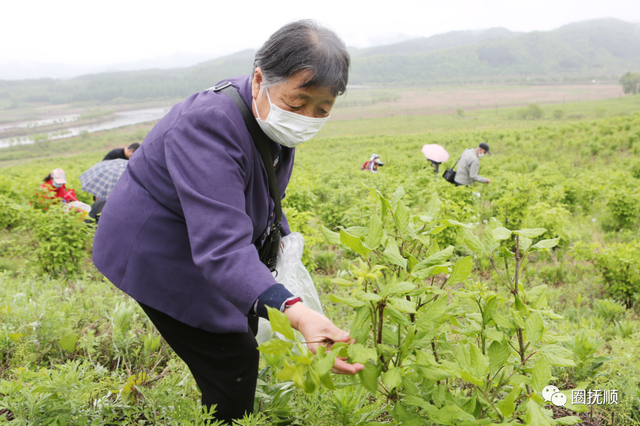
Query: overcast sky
{"points": [[92, 32]]}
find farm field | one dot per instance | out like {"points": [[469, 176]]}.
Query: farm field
{"points": [[29, 120], [465, 303]]}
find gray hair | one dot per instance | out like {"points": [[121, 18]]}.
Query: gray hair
{"points": [[305, 46]]}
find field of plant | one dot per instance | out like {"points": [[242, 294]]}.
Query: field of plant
{"points": [[465, 303]]}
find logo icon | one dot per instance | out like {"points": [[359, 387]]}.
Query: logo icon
{"points": [[552, 394]]}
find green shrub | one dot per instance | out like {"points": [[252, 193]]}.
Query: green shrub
{"points": [[62, 240], [618, 264], [623, 210]]}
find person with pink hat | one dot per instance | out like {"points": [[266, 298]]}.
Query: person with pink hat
{"points": [[55, 182]]}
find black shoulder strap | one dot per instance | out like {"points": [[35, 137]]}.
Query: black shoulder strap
{"points": [[261, 142], [454, 166]]}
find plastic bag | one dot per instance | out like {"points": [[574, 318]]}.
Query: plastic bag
{"points": [[291, 273]]}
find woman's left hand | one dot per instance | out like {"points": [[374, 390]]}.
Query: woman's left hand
{"points": [[316, 328]]}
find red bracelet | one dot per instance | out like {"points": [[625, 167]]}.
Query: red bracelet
{"points": [[289, 302]]}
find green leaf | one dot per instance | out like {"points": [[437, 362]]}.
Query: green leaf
{"points": [[369, 377], [461, 271], [374, 237], [275, 347], [68, 342], [369, 297], [354, 243], [432, 210], [525, 243], [540, 375], [545, 244], [361, 354], [409, 387], [397, 196], [280, 323], [507, 406], [431, 373], [456, 223], [323, 361], [357, 231], [436, 230], [386, 208], [361, 324], [557, 355], [437, 258], [342, 281], [569, 420], [530, 233], [450, 414], [492, 243], [500, 233], [332, 237], [402, 416], [472, 241], [534, 416], [534, 327], [397, 289], [403, 305], [392, 378], [498, 354], [396, 316], [392, 254], [402, 217], [479, 362], [467, 376], [349, 301]]}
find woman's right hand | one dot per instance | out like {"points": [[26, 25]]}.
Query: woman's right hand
{"points": [[319, 330]]}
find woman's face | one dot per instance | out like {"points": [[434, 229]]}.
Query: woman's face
{"points": [[308, 101]]}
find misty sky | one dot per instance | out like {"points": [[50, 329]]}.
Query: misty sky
{"points": [[106, 32]]}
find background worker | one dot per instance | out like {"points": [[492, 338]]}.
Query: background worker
{"points": [[372, 164], [124, 153], [469, 164], [56, 182]]}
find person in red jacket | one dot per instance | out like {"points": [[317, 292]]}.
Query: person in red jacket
{"points": [[55, 182]]}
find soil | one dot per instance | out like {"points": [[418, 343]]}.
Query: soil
{"points": [[446, 100]]}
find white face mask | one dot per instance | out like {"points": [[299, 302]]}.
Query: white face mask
{"points": [[481, 155], [288, 128]]}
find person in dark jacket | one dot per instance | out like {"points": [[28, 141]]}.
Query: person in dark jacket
{"points": [[124, 153], [182, 228]]}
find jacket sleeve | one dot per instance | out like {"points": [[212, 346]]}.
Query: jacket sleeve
{"points": [[473, 171], [208, 168], [111, 155]]}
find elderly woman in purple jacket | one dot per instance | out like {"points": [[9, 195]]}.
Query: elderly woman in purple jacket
{"points": [[183, 226]]}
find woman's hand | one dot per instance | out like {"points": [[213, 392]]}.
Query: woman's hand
{"points": [[317, 330]]}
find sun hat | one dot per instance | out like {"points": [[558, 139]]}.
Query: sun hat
{"points": [[58, 176]]}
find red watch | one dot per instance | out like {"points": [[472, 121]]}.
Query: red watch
{"points": [[289, 302]]}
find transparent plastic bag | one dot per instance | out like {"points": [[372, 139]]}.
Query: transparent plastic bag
{"points": [[291, 273]]}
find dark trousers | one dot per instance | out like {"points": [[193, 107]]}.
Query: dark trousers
{"points": [[225, 366]]}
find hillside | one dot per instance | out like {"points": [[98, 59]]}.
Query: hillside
{"points": [[601, 49]]}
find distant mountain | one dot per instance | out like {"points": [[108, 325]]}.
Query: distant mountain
{"points": [[436, 42], [605, 49]]}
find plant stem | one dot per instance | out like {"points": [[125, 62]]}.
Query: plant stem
{"points": [[498, 272], [380, 321], [515, 278], [490, 403]]}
